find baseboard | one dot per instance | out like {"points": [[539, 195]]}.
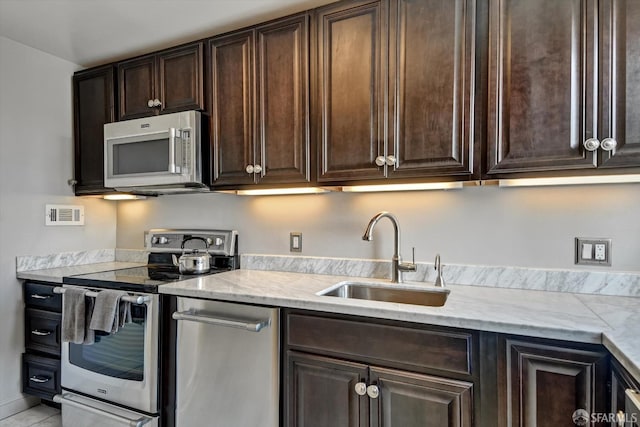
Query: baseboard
{"points": [[11, 408]]}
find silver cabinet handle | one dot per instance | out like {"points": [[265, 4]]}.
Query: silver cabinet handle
{"points": [[64, 400], [380, 161], [361, 389], [156, 102], [38, 296], [591, 144], [39, 379], [373, 391], [391, 160], [257, 168], [246, 324], [150, 103], [249, 169], [40, 333], [609, 144]]}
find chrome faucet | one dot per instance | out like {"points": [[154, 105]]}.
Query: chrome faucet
{"points": [[397, 266]]}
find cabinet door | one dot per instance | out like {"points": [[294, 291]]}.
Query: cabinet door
{"points": [[282, 96], [350, 96], [136, 83], [93, 95], [620, 82], [232, 108], [541, 85], [431, 83], [413, 400], [321, 392], [180, 79], [544, 385]]}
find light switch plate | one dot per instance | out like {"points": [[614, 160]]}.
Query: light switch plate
{"points": [[593, 251], [295, 241]]}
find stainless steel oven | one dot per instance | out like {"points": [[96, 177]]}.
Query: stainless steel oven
{"points": [[121, 368]]}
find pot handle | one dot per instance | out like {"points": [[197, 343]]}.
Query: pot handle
{"points": [[186, 239]]}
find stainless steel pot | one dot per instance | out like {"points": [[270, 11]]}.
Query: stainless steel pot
{"points": [[195, 262]]}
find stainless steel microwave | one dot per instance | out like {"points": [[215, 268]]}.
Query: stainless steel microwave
{"points": [[155, 155]]}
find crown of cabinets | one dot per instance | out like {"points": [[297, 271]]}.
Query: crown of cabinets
{"points": [[564, 85], [377, 90], [259, 104]]}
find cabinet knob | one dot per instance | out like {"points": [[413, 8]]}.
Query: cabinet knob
{"points": [[591, 144], [156, 102], [150, 103], [257, 168], [361, 389], [380, 161], [373, 391], [391, 160], [609, 144], [249, 169]]}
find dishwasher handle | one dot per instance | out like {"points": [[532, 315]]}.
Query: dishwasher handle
{"points": [[63, 399], [251, 325]]}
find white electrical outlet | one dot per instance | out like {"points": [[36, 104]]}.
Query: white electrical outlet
{"points": [[64, 215], [593, 251]]}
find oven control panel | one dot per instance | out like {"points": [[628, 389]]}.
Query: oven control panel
{"points": [[216, 242]]}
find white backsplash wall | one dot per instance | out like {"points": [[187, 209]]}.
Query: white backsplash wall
{"points": [[525, 227], [36, 160]]}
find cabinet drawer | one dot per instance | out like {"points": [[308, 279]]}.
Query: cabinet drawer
{"points": [[39, 295], [384, 344], [40, 376], [42, 331]]}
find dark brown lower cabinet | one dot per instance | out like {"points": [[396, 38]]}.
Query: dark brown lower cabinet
{"points": [[323, 392], [347, 371], [408, 399], [543, 384]]}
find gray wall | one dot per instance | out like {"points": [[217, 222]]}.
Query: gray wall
{"points": [[528, 227], [36, 152]]}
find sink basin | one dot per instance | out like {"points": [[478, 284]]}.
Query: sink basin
{"points": [[432, 297]]}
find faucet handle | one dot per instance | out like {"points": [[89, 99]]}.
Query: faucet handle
{"points": [[408, 266], [438, 267]]}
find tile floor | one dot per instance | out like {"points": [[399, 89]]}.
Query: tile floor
{"points": [[38, 416]]}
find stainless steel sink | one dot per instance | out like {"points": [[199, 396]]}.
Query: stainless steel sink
{"points": [[433, 297]]}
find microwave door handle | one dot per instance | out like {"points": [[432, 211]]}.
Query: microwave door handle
{"points": [[173, 134]]}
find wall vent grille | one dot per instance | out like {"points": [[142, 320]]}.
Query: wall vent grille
{"points": [[64, 215]]}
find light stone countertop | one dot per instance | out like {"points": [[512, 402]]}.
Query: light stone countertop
{"points": [[609, 320]]}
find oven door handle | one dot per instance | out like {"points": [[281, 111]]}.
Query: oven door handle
{"points": [[251, 325], [63, 399]]}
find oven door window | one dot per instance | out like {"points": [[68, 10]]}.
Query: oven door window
{"points": [[119, 355]]}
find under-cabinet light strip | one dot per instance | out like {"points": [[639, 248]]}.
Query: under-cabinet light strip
{"points": [[570, 180], [402, 187]]}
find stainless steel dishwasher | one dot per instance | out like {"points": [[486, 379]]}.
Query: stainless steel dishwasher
{"points": [[227, 364]]}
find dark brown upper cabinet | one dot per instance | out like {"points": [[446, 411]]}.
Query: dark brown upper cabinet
{"points": [[620, 83], [350, 54], [563, 86], [94, 105], [164, 82], [412, 119], [259, 104]]}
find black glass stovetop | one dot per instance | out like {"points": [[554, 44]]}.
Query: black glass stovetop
{"points": [[145, 278]]}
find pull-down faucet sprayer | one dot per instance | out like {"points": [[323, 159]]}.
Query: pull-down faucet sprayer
{"points": [[397, 266]]}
